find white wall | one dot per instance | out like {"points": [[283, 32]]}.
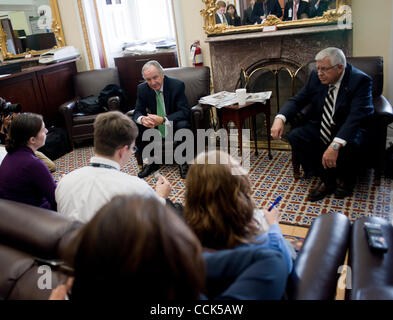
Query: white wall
{"points": [[72, 29], [372, 35], [389, 83], [372, 31], [190, 28]]}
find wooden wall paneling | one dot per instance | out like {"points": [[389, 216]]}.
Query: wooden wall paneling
{"points": [[24, 90], [56, 85], [130, 68], [41, 89]]}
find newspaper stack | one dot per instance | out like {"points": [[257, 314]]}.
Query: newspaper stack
{"points": [[224, 98]]}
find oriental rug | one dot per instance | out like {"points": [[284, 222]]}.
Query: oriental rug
{"points": [[270, 179]]}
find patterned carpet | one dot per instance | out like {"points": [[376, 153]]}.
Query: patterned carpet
{"points": [[271, 178]]}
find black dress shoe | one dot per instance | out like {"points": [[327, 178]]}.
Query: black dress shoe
{"points": [[341, 193], [320, 192], [183, 170], [148, 170], [344, 189]]}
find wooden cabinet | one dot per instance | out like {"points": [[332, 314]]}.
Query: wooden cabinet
{"points": [[41, 89], [130, 70]]}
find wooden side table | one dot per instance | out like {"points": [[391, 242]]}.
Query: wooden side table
{"points": [[238, 114]]}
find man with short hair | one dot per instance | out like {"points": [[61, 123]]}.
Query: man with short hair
{"points": [[328, 144], [161, 104], [221, 16], [80, 193]]}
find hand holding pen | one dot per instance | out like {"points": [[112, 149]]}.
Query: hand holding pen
{"points": [[275, 203], [272, 214]]}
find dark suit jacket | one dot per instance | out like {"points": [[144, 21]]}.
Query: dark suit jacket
{"points": [[245, 274], [353, 107], [314, 12], [218, 20], [176, 104], [273, 7], [247, 16], [303, 8], [234, 22]]}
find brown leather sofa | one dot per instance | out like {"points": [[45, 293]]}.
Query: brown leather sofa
{"points": [[383, 116], [80, 126], [27, 232]]}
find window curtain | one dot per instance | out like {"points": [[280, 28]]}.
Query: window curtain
{"points": [[130, 21]]}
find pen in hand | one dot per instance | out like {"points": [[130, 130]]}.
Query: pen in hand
{"points": [[275, 203]]}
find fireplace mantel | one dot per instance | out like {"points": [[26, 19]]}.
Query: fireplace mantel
{"points": [[230, 53], [278, 33]]}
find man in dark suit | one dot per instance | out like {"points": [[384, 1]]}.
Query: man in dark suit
{"points": [[328, 144], [263, 9], [296, 10], [247, 15], [318, 7], [161, 104], [221, 16]]}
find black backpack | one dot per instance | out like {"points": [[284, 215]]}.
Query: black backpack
{"points": [[112, 90], [56, 144], [90, 105]]}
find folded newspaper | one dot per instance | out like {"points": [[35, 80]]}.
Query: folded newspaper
{"points": [[224, 98]]}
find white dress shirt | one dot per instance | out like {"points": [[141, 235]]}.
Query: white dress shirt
{"points": [[82, 192]]}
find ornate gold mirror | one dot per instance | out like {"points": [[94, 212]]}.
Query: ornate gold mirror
{"points": [[341, 13], [29, 27]]}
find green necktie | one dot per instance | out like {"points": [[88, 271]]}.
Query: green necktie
{"points": [[160, 112]]}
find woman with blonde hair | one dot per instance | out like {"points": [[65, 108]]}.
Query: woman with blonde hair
{"points": [[220, 210]]}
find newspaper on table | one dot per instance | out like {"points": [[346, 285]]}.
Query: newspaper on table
{"points": [[224, 98], [258, 96]]}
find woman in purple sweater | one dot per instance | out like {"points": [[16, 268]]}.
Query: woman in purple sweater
{"points": [[24, 177]]}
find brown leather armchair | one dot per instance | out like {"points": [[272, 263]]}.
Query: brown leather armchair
{"points": [[383, 115], [371, 273], [80, 126], [197, 85]]}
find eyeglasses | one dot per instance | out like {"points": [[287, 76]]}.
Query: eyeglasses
{"points": [[325, 69]]}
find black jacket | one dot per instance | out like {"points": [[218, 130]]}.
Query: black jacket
{"points": [[273, 7]]}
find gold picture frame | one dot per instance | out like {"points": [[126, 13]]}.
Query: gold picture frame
{"points": [[329, 17], [57, 30]]}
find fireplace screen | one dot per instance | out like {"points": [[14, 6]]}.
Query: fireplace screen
{"points": [[284, 78]]}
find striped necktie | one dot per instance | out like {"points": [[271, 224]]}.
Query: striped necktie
{"points": [[327, 116], [160, 112]]}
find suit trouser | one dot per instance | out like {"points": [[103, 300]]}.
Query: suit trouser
{"points": [[140, 144], [308, 149]]}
